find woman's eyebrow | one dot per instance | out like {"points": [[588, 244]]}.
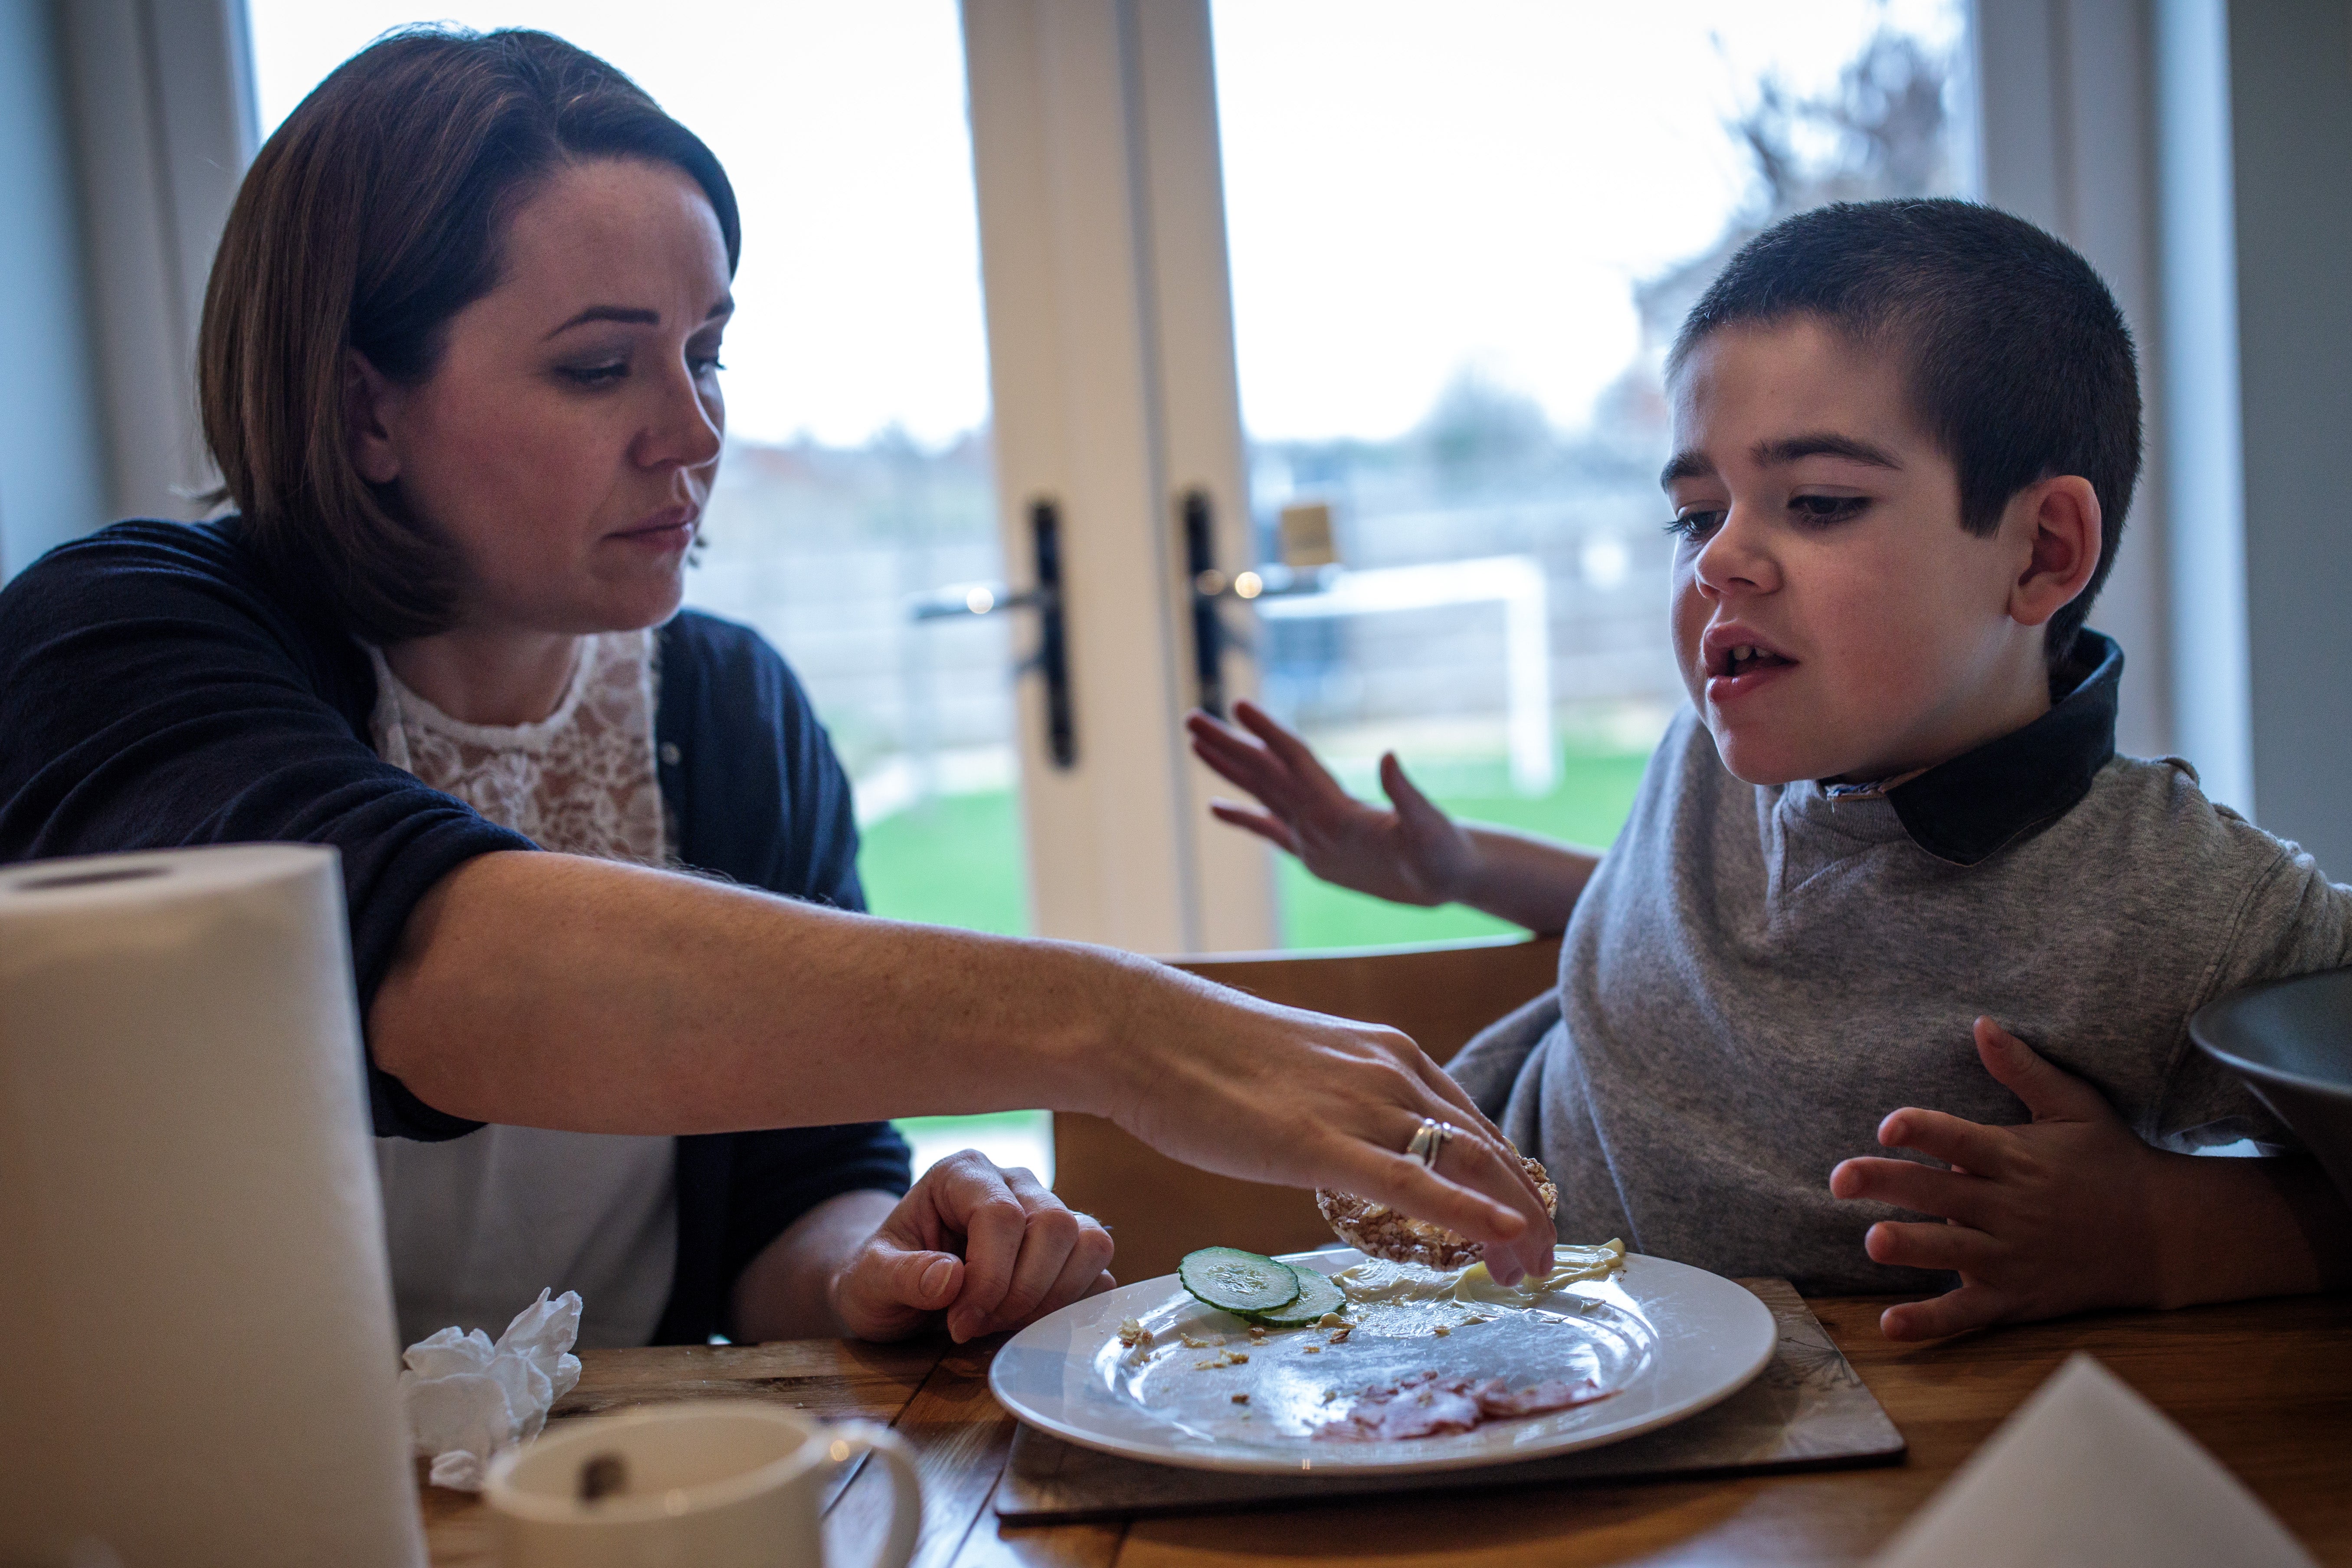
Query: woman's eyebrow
{"points": [[633, 315], [1821, 444]]}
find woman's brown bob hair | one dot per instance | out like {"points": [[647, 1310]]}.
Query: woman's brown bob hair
{"points": [[371, 217]]}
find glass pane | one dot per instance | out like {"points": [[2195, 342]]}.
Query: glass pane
{"points": [[857, 471], [1462, 239]]}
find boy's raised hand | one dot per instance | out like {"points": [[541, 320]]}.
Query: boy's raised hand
{"points": [[2061, 1214], [1412, 853]]}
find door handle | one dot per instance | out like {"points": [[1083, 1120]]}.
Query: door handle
{"points": [[1208, 588], [1208, 584], [1052, 660]]}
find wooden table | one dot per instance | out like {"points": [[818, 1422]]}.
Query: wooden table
{"points": [[2267, 1387]]}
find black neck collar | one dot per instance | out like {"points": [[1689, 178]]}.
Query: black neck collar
{"points": [[2009, 789]]}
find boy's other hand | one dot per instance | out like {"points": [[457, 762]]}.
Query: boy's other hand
{"points": [[1412, 853], [2054, 1216]]}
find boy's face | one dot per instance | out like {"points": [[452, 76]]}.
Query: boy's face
{"points": [[1820, 527]]}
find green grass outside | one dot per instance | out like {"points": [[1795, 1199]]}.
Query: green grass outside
{"points": [[1587, 806], [957, 860], [954, 861]]}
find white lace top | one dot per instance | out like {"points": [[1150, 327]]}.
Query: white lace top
{"points": [[478, 1224], [581, 781]]}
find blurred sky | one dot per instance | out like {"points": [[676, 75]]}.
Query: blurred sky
{"points": [[842, 127], [1411, 187]]}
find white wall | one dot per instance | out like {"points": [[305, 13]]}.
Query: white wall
{"points": [[163, 125], [2068, 142], [2201, 416], [2199, 154], [52, 471], [2290, 133]]}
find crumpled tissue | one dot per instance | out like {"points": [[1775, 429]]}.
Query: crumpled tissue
{"points": [[468, 1398]]}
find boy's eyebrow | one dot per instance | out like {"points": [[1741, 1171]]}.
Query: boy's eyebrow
{"points": [[1821, 444], [1690, 465], [1694, 464]]}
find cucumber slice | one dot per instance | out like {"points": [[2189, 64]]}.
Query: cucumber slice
{"points": [[1238, 1281], [1317, 1296]]}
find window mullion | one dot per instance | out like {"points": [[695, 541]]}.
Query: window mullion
{"points": [[1089, 228]]}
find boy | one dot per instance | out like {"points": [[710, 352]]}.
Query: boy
{"points": [[1905, 435]]}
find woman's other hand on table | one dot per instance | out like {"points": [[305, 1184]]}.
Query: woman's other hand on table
{"points": [[975, 1245]]}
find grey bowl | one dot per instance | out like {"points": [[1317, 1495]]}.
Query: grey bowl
{"points": [[2291, 1042]]}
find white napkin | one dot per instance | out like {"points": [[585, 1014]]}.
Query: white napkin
{"points": [[468, 1398], [2087, 1474]]}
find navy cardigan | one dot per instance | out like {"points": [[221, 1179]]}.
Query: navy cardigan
{"points": [[157, 688]]}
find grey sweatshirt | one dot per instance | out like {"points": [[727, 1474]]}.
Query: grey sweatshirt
{"points": [[1755, 975]]}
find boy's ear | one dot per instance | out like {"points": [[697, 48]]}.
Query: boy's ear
{"points": [[2058, 519], [366, 394]]}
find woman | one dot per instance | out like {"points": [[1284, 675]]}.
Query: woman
{"points": [[459, 367]]}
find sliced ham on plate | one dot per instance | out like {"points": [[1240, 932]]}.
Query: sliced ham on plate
{"points": [[1429, 1403]]}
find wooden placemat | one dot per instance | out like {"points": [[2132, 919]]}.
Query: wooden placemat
{"points": [[1806, 1410]]}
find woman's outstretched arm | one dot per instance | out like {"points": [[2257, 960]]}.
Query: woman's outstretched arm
{"points": [[552, 991]]}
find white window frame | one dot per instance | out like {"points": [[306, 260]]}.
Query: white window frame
{"points": [[1110, 330], [1111, 362]]}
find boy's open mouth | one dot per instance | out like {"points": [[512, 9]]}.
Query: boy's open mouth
{"points": [[1732, 660]]}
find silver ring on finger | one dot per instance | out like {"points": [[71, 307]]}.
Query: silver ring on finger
{"points": [[1429, 1141]]}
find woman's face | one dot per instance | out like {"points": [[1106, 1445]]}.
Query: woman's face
{"points": [[565, 443]]}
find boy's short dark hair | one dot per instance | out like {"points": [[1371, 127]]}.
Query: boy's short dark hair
{"points": [[2019, 362]]}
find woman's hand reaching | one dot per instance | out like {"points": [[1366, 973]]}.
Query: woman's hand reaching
{"points": [[1237, 1085], [1412, 853], [975, 1247], [553, 989]]}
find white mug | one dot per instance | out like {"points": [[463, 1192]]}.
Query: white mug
{"points": [[730, 1483]]}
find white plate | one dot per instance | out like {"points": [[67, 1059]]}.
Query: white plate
{"points": [[1663, 1340]]}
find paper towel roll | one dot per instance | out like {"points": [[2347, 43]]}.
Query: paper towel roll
{"points": [[197, 1358]]}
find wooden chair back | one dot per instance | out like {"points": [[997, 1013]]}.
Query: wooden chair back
{"points": [[1158, 1210]]}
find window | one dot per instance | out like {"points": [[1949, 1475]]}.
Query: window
{"points": [[1456, 241], [1462, 239], [857, 470]]}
